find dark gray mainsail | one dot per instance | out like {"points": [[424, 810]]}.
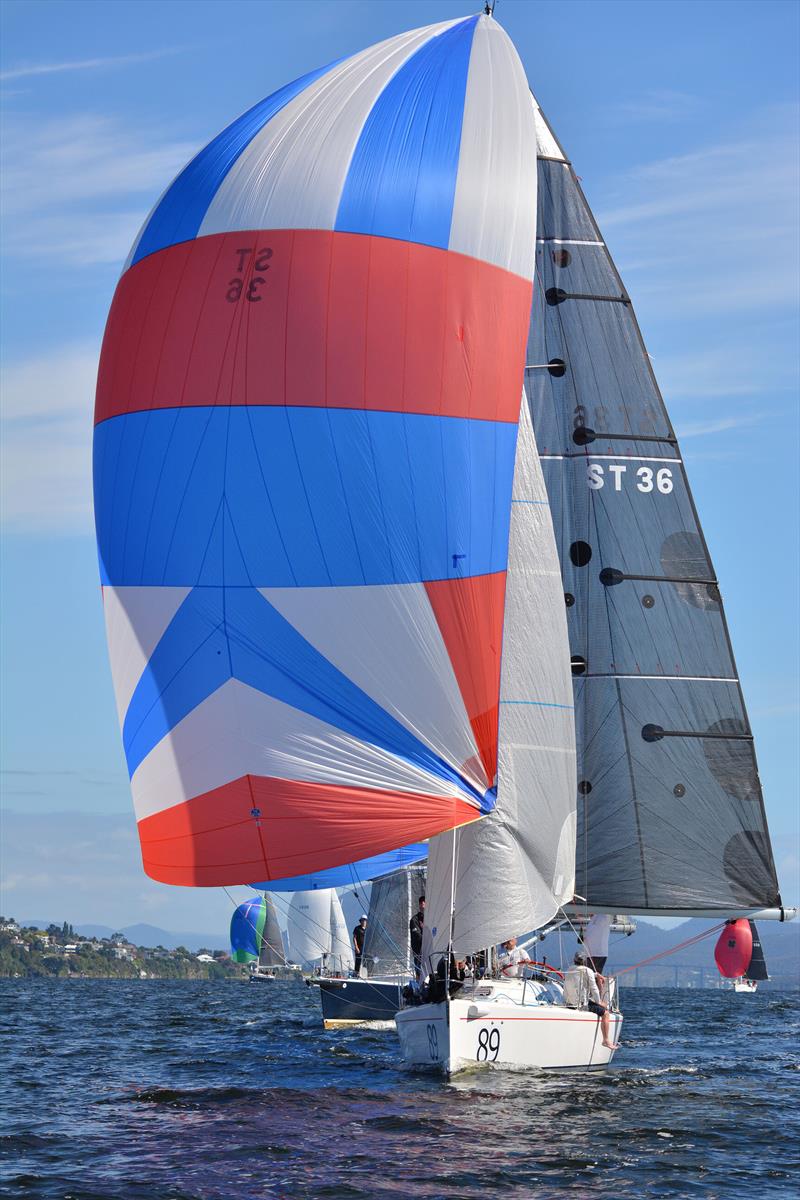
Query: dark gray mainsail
{"points": [[393, 901], [757, 971], [271, 954], [670, 809]]}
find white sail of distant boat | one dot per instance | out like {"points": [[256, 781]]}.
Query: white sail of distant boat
{"points": [[318, 934], [341, 956], [309, 927]]}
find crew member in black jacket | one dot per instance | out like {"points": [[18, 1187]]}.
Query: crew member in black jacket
{"points": [[415, 926]]}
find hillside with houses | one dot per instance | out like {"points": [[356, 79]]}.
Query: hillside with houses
{"points": [[58, 951]]}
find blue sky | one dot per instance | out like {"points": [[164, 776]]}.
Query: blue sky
{"points": [[682, 121]]}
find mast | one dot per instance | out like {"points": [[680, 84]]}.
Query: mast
{"points": [[671, 817]]}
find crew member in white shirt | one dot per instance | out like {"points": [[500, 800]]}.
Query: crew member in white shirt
{"points": [[513, 959], [595, 940], [581, 991]]}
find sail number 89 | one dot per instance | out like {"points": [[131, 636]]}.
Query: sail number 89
{"points": [[488, 1045], [646, 478]]}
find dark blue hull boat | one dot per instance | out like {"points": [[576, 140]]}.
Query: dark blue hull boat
{"points": [[353, 1001]]}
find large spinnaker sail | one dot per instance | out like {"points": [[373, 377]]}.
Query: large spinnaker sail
{"points": [[306, 425], [671, 814], [516, 867]]}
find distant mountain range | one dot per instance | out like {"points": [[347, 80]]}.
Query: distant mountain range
{"points": [[146, 935], [781, 944]]}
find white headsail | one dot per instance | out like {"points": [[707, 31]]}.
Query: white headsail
{"points": [[517, 866]]}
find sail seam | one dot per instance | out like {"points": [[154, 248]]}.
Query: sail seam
{"points": [[662, 678], [588, 454]]}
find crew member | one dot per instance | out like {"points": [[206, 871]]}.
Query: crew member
{"points": [[582, 990], [513, 960], [359, 933], [453, 974], [415, 927], [595, 940]]}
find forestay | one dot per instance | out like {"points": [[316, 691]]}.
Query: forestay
{"points": [[671, 814], [306, 424]]}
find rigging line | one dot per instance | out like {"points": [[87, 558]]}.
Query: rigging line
{"points": [[698, 937]]}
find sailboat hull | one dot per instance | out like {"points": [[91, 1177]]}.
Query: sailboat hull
{"points": [[454, 1035], [348, 1001]]}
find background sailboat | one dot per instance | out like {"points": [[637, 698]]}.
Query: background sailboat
{"points": [[317, 933], [256, 936]]}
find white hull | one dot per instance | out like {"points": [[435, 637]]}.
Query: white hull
{"points": [[505, 1030], [747, 986]]}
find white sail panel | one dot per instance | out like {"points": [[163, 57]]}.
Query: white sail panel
{"points": [[223, 740], [135, 623], [309, 927], [515, 867], [491, 217], [292, 174], [341, 955], [387, 640]]}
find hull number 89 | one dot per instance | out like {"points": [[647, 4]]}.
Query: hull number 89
{"points": [[616, 475], [488, 1045]]}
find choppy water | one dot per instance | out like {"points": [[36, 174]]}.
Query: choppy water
{"points": [[165, 1090]]}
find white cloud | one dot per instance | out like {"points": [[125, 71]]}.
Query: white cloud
{"points": [[658, 104], [75, 189], [46, 425], [77, 239], [24, 71], [722, 219], [87, 867], [691, 429]]}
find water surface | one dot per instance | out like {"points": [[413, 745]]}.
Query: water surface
{"points": [[177, 1090]]}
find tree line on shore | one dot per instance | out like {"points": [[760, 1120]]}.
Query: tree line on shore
{"points": [[58, 952]]}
